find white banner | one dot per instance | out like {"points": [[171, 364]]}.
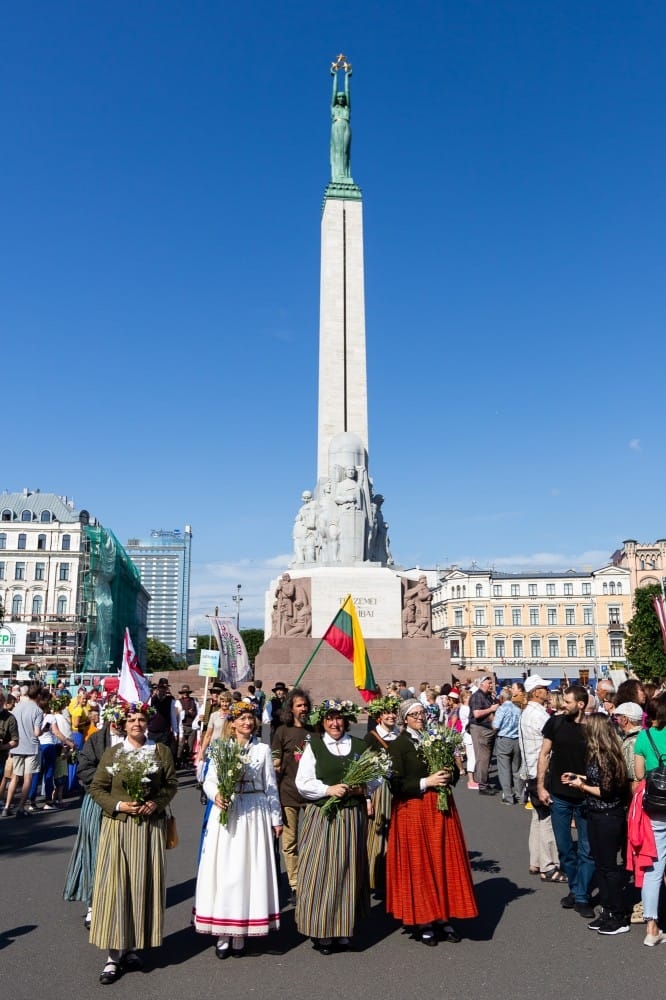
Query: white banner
{"points": [[234, 662], [209, 664]]}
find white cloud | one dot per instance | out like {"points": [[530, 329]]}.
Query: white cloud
{"points": [[541, 561], [635, 444]]}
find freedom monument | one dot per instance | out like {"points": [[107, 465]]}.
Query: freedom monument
{"points": [[341, 541]]}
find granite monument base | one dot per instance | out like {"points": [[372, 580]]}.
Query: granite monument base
{"points": [[330, 674]]}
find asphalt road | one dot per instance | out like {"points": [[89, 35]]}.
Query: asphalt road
{"points": [[522, 944]]}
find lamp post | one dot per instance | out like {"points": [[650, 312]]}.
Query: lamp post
{"points": [[237, 599]]}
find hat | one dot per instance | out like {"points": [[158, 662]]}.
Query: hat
{"points": [[407, 706], [186, 689], [454, 694], [280, 686], [163, 682], [533, 682], [216, 688], [632, 711]]}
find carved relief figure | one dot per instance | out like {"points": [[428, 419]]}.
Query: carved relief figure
{"points": [[285, 596], [305, 530], [422, 598]]}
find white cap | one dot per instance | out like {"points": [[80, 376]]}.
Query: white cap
{"points": [[632, 711], [535, 682]]}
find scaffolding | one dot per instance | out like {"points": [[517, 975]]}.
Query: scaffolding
{"points": [[111, 590]]}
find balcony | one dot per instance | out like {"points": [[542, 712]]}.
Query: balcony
{"points": [[616, 627]]}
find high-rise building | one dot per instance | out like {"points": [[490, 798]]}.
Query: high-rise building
{"points": [[163, 561]]}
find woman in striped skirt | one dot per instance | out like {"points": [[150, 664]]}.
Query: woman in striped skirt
{"points": [[81, 868], [332, 882], [428, 874], [134, 783], [385, 710]]}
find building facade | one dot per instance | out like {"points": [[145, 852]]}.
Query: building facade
{"points": [[163, 562], [67, 587], [646, 561], [570, 624]]}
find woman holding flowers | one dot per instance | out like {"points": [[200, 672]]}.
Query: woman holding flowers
{"points": [[385, 710], [428, 875], [134, 784], [332, 881], [237, 890]]}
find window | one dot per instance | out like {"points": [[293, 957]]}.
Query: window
{"points": [[568, 589], [499, 616], [458, 616], [61, 606], [2, 570], [45, 516], [66, 542], [64, 571], [611, 587], [479, 616], [19, 571], [613, 615], [22, 540], [550, 590], [497, 590], [553, 647], [6, 515], [552, 616], [26, 515], [587, 616], [17, 605], [480, 647], [569, 616], [518, 648], [616, 650], [41, 541], [571, 647], [604, 588], [455, 647], [534, 616], [500, 648], [587, 589], [37, 603], [3, 541], [515, 590], [478, 589], [589, 647], [40, 569], [515, 616], [531, 589], [535, 648]]}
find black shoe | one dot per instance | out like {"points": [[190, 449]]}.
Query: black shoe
{"points": [[445, 932], [222, 953], [110, 973], [615, 925], [584, 910], [487, 791], [595, 924], [324, 946], [428, 937], [568, 902], [131, 962]]}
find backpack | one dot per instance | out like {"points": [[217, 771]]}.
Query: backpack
{"points": [[654, 797]]}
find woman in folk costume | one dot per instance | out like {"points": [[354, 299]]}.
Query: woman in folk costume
{"points": [[428, 875], [134, 784], [385, 710], [237, 891], [332, 882]]}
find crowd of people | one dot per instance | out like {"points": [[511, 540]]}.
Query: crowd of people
{"points": [[585, 764]]}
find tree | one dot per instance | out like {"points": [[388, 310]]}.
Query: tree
{"points": [[159, 657], [254, 640], [645, 645]]}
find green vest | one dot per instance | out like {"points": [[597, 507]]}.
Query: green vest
{"points": [[331, 769]]}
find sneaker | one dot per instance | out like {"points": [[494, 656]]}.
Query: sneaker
{"points": [[30, 808], [7, 812], [48, 807], [568, 902], [614, 925], [599, 921], [650, 940], [584, 910]]}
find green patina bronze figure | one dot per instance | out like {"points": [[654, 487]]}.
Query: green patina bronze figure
{"points": [[340, 123]]}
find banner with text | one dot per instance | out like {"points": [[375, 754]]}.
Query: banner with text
{"points": [[234, 661]]}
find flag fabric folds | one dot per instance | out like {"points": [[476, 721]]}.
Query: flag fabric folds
{"points": [[344, 634], [234, 661], [133, 684], [658, 604]]}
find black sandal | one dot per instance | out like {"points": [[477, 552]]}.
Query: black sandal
{"points": [[110, 972], [131, 961], [553, 875]]}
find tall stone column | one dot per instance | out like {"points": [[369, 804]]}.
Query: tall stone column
{"points": [[343, 400]]}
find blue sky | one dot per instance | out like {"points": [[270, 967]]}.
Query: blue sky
{"points": [[163, 170]]}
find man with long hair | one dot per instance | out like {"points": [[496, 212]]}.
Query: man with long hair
{"points": [[287, 747]]}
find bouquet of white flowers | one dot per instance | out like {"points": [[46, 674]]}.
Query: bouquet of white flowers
{"points": [[228, 756], [438, 747], [134, 768], [368, 766]]}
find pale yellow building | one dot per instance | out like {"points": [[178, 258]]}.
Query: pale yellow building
{"points": [[646, 561], [560, 625]]}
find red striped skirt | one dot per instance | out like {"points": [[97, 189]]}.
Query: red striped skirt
{"points": [[428, 875]]}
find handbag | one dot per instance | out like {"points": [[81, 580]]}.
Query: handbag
{"points": [[171, 831], [654, 798]]}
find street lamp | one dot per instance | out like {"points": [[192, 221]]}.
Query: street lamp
{"points": [[237, 599]]}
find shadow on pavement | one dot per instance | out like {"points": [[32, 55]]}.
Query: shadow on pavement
{"points": [[9, 936], [492, 897]]}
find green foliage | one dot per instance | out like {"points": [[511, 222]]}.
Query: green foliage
{"points": [[645, 647], [159, 656], [254, 640]]}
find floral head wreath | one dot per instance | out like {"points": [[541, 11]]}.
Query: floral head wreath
{"points": [[239, 708], [347, 709], [138, 708], [391, 703], [59, 702], [115, 714]]}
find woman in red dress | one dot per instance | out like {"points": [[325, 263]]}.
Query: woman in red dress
{"points": [[429, 879]]}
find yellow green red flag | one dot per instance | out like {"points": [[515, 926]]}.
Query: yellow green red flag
{"points": [[344, 634]]}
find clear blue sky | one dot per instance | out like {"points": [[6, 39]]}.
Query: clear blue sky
{"points": [[163, 171]]}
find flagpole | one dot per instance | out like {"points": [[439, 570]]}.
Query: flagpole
{"points": [[318, 646]]}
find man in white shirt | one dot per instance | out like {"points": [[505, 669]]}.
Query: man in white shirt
{"points": [[542, 847]]}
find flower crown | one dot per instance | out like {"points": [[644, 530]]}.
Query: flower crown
{"points": [[390, 703], [347, 709], [239, 708], [138, 708], [115, 714]]}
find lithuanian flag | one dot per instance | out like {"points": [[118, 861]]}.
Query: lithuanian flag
{"points": [[344, 634]]}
